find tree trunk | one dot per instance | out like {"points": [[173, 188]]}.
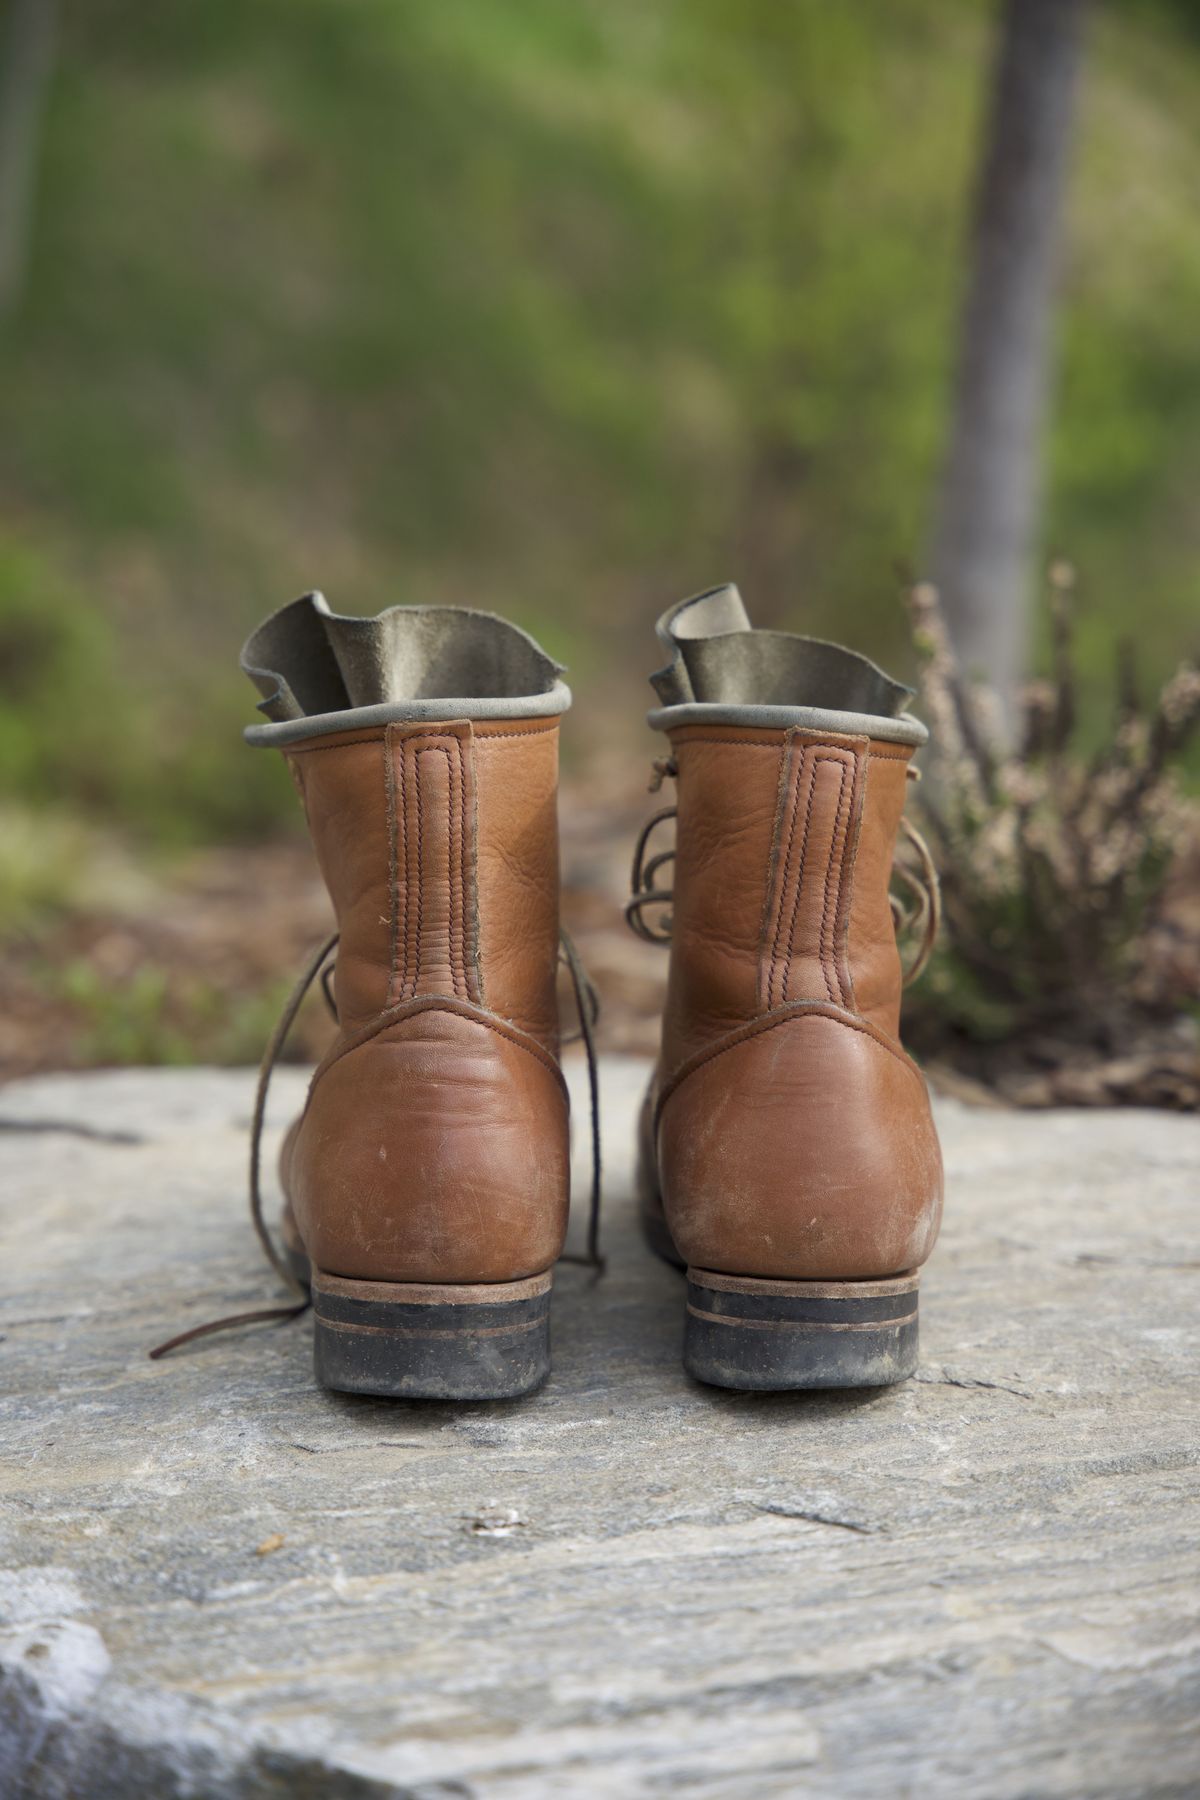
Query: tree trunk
{"points": [[987, 515], [26, 59]]}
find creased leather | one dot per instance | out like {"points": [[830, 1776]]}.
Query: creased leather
{"points": [[803, 955], [804, 1151], [788, 1135], [433, 900], [434, 1143], [435, 1150]]}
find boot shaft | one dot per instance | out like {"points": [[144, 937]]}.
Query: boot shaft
{"points": [[439, 846], [789, 802], [433, 818], [784, 844], [433, 1146], [786, 1137]]}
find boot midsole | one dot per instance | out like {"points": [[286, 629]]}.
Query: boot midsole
{"points": [[750, 1332], [428, 1340]]}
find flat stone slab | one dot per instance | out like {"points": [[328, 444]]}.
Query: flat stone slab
{"points": [[218, 1580]]}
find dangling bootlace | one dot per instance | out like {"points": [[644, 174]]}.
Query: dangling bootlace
{"points": [[315, 966], [588, 1004], [644, 890], [923, 912]]}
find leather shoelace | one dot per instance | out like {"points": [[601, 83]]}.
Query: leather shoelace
{"points": [[924, 915], [587, 1006], [587, 1002], [923, 912], [643, 891]]}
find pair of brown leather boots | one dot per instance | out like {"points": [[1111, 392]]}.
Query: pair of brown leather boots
{"points": [[787, 1155]]}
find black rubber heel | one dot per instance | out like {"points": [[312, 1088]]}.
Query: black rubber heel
{"points": [[413, 1341], [746, 1332]]}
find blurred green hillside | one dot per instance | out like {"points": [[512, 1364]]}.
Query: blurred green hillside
{"points": [[563, 311]]}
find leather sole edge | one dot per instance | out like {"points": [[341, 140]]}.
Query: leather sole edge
{"points": [[428, 1340], [759, 1335]]}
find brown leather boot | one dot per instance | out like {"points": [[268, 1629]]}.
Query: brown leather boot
{"points": [[426, 1180], [788, 1157]]}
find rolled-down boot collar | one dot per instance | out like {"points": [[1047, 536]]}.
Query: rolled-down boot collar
{"points": [[320, 671], [723, 672]]}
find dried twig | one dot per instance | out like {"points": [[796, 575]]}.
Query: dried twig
{"points": [[1055, 865]]}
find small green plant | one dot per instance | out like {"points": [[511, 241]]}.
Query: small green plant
{"points": [[155, 1016], [1060, 870]]}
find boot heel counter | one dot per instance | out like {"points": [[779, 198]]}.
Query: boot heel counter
{"points": [[801, 1147], [435, 1150]]}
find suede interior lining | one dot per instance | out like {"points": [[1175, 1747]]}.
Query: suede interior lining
{"points": [[717, 656], [310, 663]]}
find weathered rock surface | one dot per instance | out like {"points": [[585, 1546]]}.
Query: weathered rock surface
{"points": [[984, 1583]]}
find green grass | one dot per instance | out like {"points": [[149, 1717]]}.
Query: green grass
{"points": [[562, 310], [154, 1017]]}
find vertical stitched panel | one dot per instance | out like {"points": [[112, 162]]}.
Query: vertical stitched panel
{"points": [[804, 940], [431, 805]]}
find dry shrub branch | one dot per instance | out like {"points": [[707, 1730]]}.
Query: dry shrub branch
{"points": [[1069, 969]]}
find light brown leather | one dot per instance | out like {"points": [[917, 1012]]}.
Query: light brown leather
{"points": [[516, 772], [788, 1134], [433, 1145], [433, 913], [433, 1148]]}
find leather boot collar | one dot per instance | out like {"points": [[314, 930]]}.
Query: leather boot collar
{"points": [[724, 672], [320, 671]]}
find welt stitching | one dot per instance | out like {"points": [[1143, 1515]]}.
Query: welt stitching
{"points": [[541, 731], [456, 951], [849, 871], [403, 759], [790, 799], [838, 758], [460, 944], [815, 758], [810, 740], [419, 809], [389, 788], [463, 873], [475, 982], [369, 736], [458, 969], [412, 868], [772, 898], [439, 749], [830, 890], [748, 743], [791, 937], [463, 861]]}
